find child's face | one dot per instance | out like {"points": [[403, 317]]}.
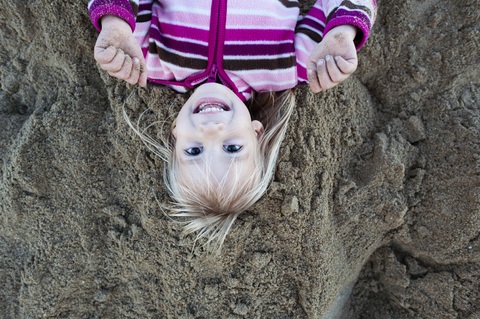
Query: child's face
{"points": [[214, 133]]}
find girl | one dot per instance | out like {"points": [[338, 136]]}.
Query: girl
{"points": [[221, 153]]}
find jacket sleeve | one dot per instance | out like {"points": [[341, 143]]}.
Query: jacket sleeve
{"points": [[327, 14], [125, 9]]}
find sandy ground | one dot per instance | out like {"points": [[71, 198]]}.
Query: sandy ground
{"points": [[373, 213]]}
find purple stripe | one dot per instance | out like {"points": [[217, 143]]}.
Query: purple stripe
{"points": [[317, 14], [145, 6], [313, 24], [178, 45], [258, 49], [355, 18], [257, 34], [120, 8], [181, 32], [358, 15]]}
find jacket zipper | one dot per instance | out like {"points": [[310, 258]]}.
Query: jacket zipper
{"points": [[212, 77], [214, 30], [215, 57]]}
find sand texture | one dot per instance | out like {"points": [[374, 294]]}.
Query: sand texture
{"points": [[374, 211]]}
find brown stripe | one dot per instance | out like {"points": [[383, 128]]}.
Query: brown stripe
{"points": [[176, 59], [349, 5], [330, 15], [290, 4], [265, 64], [311, 34], [134, 7], [231, 65], [144, 17]]}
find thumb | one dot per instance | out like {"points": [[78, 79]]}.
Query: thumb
{"points": [[346, 66], [104, 55]]}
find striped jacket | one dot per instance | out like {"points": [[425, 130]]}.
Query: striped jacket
{"points": [[248, 45]]}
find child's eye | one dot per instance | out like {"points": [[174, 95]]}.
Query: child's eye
{"points": [[194, 151], [232, 148]]}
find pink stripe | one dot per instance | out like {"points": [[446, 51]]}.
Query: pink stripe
{"points": [[181, 18], [142, 28], [302, 56], [241, 20], [141, 34], [257, 35], [268, 75], [274, 6]]}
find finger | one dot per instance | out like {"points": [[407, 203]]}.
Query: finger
{"points": [[336, 76], [116, 64], [104, 55], [312, 77], [133, 79], [346, 66], [323, 76], [126, 69], [143, 73]]}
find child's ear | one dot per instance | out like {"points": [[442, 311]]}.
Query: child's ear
{"points": [[258, 127], [174, 132]]}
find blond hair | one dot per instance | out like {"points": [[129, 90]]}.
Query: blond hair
{"points": [[213, 207]]}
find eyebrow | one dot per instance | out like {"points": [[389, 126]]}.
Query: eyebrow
{"points": [[198, 159]]}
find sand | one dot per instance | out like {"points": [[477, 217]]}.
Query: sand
{"points": [[374, 211]]}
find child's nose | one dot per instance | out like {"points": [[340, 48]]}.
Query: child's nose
{"points": [[211, 128]]}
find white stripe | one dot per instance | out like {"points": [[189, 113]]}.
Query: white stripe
{"points": [[244, 73], [258, 57], [302, 80], [262, 13], [175, 22], [243, 88], [260, 27], [189, 9], [274, 83], [257, 42]]}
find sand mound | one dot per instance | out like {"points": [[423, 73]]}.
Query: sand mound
{"points": [[374, 210]]}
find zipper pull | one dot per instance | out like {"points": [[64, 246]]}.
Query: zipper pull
{"points": [[212, 76]]}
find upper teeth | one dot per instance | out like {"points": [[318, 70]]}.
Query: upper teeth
{"points": [[210, 107]]}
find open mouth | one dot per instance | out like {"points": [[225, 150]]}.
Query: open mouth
{"points": [[210, 107]]}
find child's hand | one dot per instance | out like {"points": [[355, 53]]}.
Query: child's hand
{"points": [[118, 52], [333, 59]]}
